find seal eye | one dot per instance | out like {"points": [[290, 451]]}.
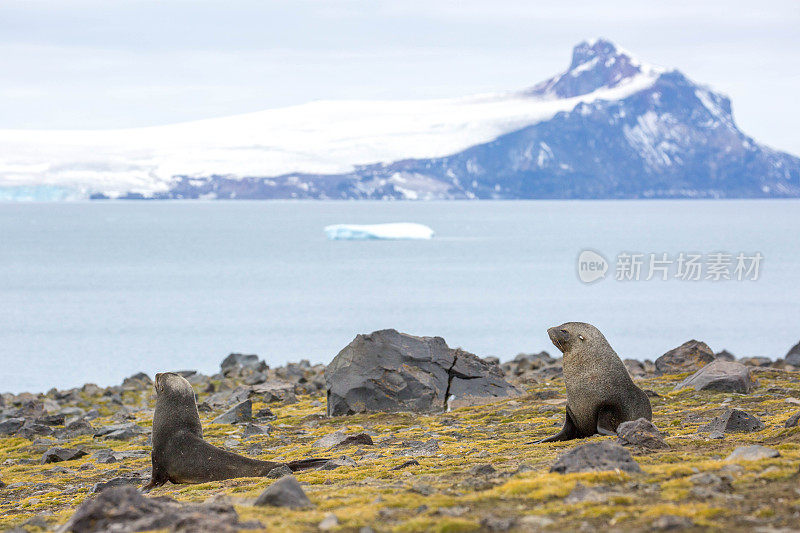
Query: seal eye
{"points": [[581, 337]]}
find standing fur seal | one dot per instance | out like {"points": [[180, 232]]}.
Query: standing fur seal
{"points": [[600, 393], [180, 454]]}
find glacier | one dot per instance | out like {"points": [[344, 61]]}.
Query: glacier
{"points": [[321, 137], [366, 232]]}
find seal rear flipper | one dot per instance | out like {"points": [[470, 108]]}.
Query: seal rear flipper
{"points": [[305, 464], [568, 432]]}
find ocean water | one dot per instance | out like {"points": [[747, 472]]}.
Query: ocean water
{"points": [[94, 292]]}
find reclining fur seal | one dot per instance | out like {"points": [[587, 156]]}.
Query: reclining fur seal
{"points": [[600, 392], [180, 454]]}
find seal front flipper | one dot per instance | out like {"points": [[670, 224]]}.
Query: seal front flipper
{"points": [[157, 478], [568, 432]]}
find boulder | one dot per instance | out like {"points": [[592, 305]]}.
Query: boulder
{"points": [[641, 433], [596, 456], [237, 364], [137, 381], [725, 355], [286, 492], [56, 455], [688, 357], [733, 421], [119, 431], [755, 452], [720, 376], [758, 361], [391, 371], [793, 420], [279, 471], [793, 356], [254, 429], [126, 509], [10, 426], [117, 482], [340, 439], [239, 413]]}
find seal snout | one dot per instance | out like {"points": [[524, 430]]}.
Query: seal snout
{"points": [[559, 336]]}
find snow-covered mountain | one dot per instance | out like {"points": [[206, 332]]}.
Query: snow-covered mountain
{"points": [[609, 126]]}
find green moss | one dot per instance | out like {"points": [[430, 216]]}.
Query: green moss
{"points": [[440, 494]]}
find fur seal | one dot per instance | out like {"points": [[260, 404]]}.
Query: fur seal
{"points": [[180, 454], [600, 392]]}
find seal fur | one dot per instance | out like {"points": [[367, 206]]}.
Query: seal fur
{"points": [[180, 454], [600, 392]]}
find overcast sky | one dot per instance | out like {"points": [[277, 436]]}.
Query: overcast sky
{"points": [[121, 63]]}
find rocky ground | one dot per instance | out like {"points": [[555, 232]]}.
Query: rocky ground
{"points": [[719, 459]]}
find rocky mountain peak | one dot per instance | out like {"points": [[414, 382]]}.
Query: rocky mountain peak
{"points": [[595, 64]]}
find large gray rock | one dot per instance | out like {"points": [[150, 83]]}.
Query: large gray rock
{"points": [[596, 456], [793, 357], [688, 357], [126, 509], [391, 371], [720, 376]]}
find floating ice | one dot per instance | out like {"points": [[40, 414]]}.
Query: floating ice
{"points": [[364, 232]]}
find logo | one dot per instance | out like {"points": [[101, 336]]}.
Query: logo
{"points": [[591, 266]]}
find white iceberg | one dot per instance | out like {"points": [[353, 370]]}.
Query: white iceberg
{"points": [[364, 232]]}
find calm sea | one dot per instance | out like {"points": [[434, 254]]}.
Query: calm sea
{"points": [[94, 292]]}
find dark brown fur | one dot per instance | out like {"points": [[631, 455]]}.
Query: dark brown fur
{"points": [[600, 392], [180, 454]]}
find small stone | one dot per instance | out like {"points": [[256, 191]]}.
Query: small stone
{"points": [[596, 456], [265, 413], [482, 470], [329, 522], [755, 452], [119, 431], [253, 429], [279, 471], [242, 412], [641, 433], [52, 420], [534, 522], [793, 421], [733, 420], [420, 449], [670, 522], [582, 493], [359, 439], [412, 462], [286, 492], [336, 463], [495, 523], [117, 482], [330, 440], [55, 455]]}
